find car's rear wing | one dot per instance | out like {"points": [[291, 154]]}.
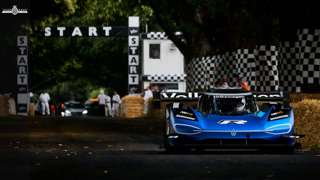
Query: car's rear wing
{"points": [[264, 97], [271, 97], [180, 96]]}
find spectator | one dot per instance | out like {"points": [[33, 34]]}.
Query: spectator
{"points": [[223, 83], [116, 101], [102, 98], [243, 84], [53, 110], [148, 95], [44, 100], [108, 108]]}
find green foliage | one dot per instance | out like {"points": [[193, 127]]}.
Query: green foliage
{"points": [[71, 90]]}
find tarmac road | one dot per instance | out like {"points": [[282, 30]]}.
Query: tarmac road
{"points": [[44, 150]]}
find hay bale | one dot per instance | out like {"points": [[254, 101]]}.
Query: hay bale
{"points": [[4, 105], [296, 97], [307, 121], [132, 106]]}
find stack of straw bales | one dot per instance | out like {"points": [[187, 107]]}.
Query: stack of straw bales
{"points": [[4, 105], [307, 122], [132, 106]]}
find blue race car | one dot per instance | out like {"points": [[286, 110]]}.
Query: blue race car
{"points": [[227, 118]]}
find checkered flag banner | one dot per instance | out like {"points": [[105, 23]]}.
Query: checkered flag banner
{"points": [[288, 66], [165, 77], [204, 73], [155, 36]]}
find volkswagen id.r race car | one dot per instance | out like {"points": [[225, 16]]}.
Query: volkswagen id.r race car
{"points": [[227, 118]]}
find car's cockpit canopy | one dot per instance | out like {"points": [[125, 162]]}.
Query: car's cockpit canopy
{"points": [[227, 102]]}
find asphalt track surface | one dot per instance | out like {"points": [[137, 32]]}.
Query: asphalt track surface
{"points": [[97, 148]]}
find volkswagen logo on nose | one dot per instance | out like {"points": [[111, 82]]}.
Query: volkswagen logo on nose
{"points": [[233, 132]]}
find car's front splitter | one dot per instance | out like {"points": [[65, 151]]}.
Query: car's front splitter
{"points": [[187, 141]]}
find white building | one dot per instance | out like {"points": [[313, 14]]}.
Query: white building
{"points": [[162, 63]]}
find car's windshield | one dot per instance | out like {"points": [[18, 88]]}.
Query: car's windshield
{"points": [[232, 105]]}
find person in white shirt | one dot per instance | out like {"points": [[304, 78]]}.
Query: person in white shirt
{"points": [[148, 94], [44, 100], [116, 101], [108, 110], [102, 102]]}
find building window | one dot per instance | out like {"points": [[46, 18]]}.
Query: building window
{"points": [[154, 51]]}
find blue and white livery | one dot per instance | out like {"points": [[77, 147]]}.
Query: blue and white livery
{"points": [[227, 118]]}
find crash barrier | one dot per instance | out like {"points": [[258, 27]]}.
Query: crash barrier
{"points": [[287, 66], [132, 106], [7, 106]]}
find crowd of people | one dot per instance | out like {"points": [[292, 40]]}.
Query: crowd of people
{"points": [[109, 106], [46, 106], [240, 82]]}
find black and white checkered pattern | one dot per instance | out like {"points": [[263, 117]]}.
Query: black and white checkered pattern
{"points": [[165, 77], [155, 36], [205, 72], [310, 57], [267, 77], [290, 67], [246, 65], [196, 78]]}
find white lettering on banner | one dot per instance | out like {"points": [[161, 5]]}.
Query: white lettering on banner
{"points": [[133, 54], [133, 70], [90, 31], [174, 95], [22, 60], [22, 69], [133, 60], [107, 30], [22, 41], [93, 31], [76, 32], [47, 31], [61, 30], [22, 79], [133, 79], [133, 40], [23, 50], [22, 73], [133, 50]]}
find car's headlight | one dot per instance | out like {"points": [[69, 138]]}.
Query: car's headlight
{"points": [[67, 113], [187, 129], [279, 129], [85, 112], [186, 115]]}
